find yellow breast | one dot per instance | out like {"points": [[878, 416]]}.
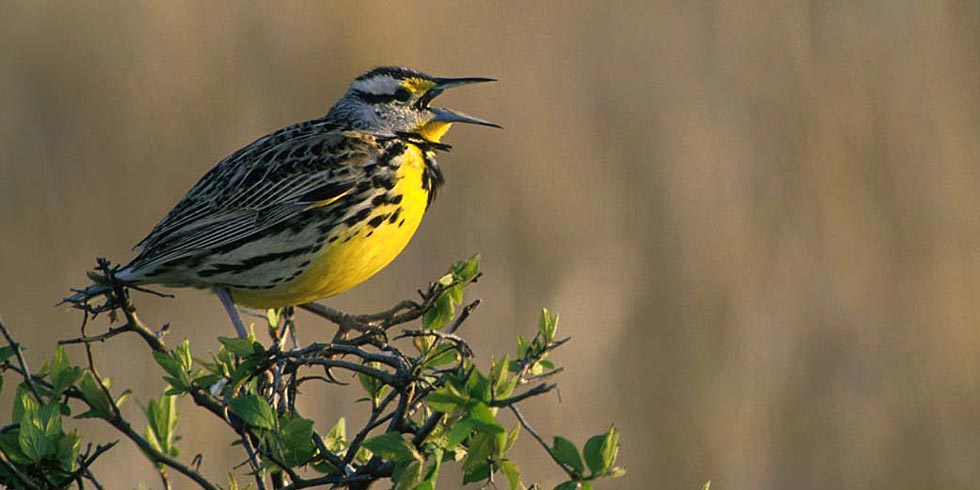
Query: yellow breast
{"points": [[360, 251]]}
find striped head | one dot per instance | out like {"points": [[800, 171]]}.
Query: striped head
{"points": [[392, 101]]}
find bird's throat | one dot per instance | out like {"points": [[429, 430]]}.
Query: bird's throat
{"points": [[434, 130]]}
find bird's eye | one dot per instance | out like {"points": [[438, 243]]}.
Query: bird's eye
{"points": [[402, 95]]}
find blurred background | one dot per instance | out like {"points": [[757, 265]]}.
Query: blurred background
{"points": [[758, 220]]}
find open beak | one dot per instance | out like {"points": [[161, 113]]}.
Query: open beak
{"points": [[449, 116]]}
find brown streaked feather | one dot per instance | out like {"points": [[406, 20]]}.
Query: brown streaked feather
{"points": [[265, 183]]}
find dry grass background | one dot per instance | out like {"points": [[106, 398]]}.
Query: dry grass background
{"points": [[759, 220]]}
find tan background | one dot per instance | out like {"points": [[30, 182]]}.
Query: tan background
{"points": [[759, 220]]}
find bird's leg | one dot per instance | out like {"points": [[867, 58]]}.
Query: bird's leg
{"points": [[229, 305]]}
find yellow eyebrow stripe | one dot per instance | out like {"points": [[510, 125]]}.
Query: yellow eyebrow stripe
{"points": [[418, 85]]}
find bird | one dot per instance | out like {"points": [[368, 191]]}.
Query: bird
{"points": [[312, 209]]}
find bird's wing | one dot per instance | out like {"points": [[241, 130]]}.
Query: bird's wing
{"points": [[270, 180]]}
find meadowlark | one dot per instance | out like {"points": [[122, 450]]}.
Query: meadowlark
{"points": [[312, 209]]}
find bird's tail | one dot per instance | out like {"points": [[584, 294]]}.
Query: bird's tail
{"points": [[104, 279]]}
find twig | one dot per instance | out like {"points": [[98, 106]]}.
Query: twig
{"points": [[463, 316], [460, 344], [102, 337], [28, 377], [164, 478], [378, 374], [537, 390], [334, 480], [535, 435], [85, 462], [253, 460], [26, 480], [427, 427], [158, 457], [327, 453], [372, 422]]}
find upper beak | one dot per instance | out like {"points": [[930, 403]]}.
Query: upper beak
{"points": [[444, 83], [446, 115]]}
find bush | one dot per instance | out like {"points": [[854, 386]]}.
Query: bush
{"points": [[428, 403]]}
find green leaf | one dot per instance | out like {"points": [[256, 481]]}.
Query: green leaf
{"points": [[522, 347], [67, 451], [253, 410], [478, 386], [483, 419], [431, 473], [409, 477], [169, 364], [466, 270], [512, 473], [567, 453], [547, 325], [512, 437], [442, 355], [31, 437], [183, 354], [24, 403], [424, 343], [455, 294], [173, 364], [6, 352], [335, 440], [273, 317], [161, 415], [618, 471], [63, 374], [241, 346], [297, 441], [152, 439], [600, 451], [297, 433], [49, 419], [439, 314], [610, 449], [32, 442], [593, 453], [392, 446], [446, 280], [502, 385], [569, 485], [477, 472], [446, 400], [459, 432], [10, 446], [94, 395], [707, 485], [207, 380]]}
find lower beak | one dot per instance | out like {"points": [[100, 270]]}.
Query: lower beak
{"points": [[448, 116]]}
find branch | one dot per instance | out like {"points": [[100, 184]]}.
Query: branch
{"points": [[26, 480], [28, 377], [463, 316], [84, 464], [534, 433], [158, 457], [537, 390]]}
